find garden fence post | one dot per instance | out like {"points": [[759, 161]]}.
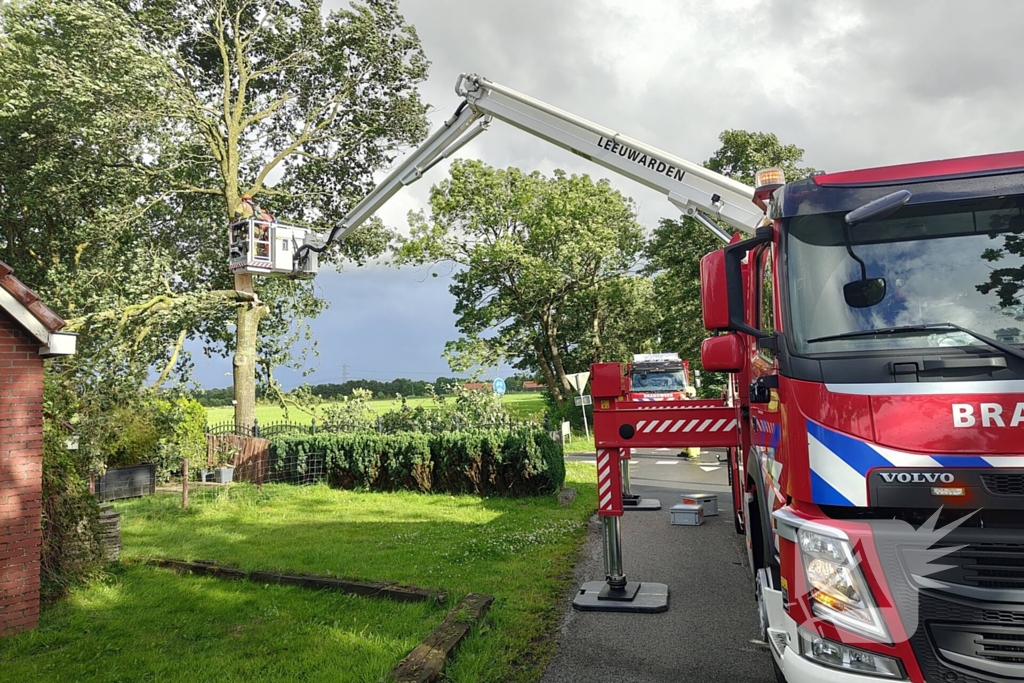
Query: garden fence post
{"points": [[184, 483], [380, 425], [312, 427], [255, 427]]}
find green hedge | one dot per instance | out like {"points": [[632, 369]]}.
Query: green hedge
{"points": [[518, 462]]}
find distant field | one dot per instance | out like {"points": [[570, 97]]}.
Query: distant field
{"points": [[521, 405]]}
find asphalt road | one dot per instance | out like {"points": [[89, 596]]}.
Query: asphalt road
{"points": [[709, 633]]}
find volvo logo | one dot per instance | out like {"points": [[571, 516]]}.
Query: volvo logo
{"points": [[917, 477]]}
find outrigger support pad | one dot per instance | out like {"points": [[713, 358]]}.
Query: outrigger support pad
{"points": [[615, 593]]}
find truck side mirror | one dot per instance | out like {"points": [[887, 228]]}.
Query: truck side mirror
{"points": [[723, 353], [714, 291], [721, 285]]}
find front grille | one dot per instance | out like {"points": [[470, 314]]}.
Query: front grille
{"points": [[958, 638], [1004, 484], [992, 650], [993, 565]]}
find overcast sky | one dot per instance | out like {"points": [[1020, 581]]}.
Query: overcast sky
{"points": [[854, 83]]}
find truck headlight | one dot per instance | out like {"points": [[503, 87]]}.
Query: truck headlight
{"points": [[838, 591], [839, 656]]}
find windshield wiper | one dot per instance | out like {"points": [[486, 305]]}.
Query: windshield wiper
{"points": [[1001, 346]]}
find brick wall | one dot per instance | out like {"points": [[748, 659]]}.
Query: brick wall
{"points": [[21, 462]]}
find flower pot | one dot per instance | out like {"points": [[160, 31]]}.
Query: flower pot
{"points": [[224, 475]]}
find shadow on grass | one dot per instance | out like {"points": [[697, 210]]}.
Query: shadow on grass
{"points": [[148, 624]]}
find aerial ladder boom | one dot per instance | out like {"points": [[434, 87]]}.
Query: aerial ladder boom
{"points": [[696, 191]]}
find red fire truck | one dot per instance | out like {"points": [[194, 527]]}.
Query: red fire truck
{"points": [[660, 377], [872, 325]]}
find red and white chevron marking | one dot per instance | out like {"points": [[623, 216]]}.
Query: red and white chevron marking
{"points": [[609, 496], [683, 426]]}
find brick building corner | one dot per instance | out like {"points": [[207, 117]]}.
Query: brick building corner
{"points": [[29, 333]]}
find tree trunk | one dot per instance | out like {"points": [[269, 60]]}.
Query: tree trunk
{"points": [[244, 363], [549, 376], [596, 331], [556, 360]]}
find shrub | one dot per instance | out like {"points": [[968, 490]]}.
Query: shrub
{"points": [[515, 462], [181, 423], [70, 549]]}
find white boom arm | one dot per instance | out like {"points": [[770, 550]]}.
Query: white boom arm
{"points": [[691, 188]]}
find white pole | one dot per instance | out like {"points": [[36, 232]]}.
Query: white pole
{"points": [[586, 429]]}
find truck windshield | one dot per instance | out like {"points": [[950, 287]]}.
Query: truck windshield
{"points": [[956, 262], [659, 381]]}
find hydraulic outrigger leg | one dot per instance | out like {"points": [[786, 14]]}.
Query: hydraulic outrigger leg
{"points": [[616, 593], [630, 500]]}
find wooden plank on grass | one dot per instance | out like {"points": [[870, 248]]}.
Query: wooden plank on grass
{"points": [[200, 567], [424, 663], [368, 589]]}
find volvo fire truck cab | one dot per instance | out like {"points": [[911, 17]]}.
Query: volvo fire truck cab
{"points": [[875, 328]]}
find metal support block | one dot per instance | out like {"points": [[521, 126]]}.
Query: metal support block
{"points": [[642, 505]]}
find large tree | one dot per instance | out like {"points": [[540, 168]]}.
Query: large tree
{"points": [[533, 256], [292, 105], [130, 129], [675, 249]]}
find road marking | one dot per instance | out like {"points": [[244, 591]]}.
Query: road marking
{"points": [[663, 449], [667, 462], [709, 469]]}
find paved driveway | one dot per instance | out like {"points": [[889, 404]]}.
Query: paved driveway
{"points": [[709, 633]]}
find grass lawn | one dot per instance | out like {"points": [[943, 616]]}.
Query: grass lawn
{"points": [[521, 405], [149, 624]]}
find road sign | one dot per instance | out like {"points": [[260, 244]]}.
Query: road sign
{"points": [[499, 386], [587, 400], [578, 381]]}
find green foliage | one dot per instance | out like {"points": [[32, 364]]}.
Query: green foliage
{"points": [[487, 462], [127, 133], [71, 551], [538, 263], [183, 423], [333, 391], [350, 414], [743, 153], [133, 435]]}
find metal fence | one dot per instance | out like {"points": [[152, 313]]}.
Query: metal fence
{"points": [[271, 429]]}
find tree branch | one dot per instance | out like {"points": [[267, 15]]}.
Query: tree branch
{"points": [[173, 360]]}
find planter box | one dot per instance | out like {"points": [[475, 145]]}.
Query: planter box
{"points": [[127, 482], [223, 475]]}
